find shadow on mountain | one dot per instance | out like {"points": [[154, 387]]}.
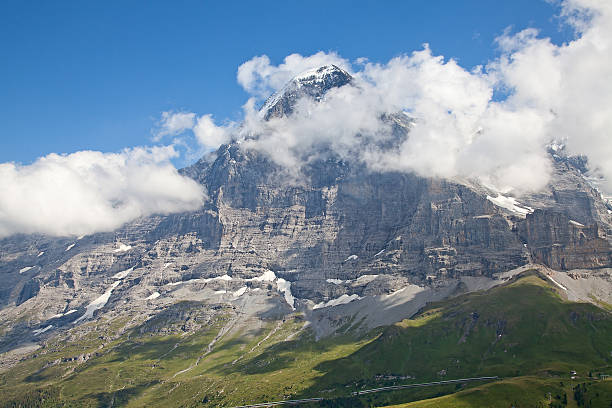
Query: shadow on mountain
{"points": [[523, 328], [122, 396]]}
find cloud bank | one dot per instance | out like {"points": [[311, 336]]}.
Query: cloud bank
{"points": [[552, 93], [90, 191]]}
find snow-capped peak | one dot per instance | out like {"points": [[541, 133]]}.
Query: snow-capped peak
{"points": [[312, 83], [320, 74]]}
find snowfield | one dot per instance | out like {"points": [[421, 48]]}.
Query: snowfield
{"points": [[122, 247], [342, 300], [98, 303], [510, 204], [154, 295], [25, 269]]}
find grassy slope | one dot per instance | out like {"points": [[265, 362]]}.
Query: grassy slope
{"points": [[521, 329], [526, 392], [542, 338]]}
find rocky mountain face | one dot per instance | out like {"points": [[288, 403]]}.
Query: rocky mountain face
{"points": [[345, 236]]}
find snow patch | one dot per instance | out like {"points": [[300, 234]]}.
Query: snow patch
{"points": [[510, 204], [70, 247], [63, 314], [25, 269], [285, 287], [154, 295], [379, 253], [99, 303], [396, 292], [556, 146], [576, 223], [40, 331], [187, 281], [335, 281], [342, 300], [556, 283], [351, 258], [123, 274], [316, 74], [268, 276], [122, 247], [220, 292], [40, 254], [240, 292], [205, 280], [167, 264]]}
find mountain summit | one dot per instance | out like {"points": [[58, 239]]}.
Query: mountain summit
{"points": [[313, 83]]}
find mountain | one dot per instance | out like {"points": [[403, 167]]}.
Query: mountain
{"points": [[347, 250], [522, 331], [313, 83]]}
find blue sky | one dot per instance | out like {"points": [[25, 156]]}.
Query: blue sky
{"points": [[96, 75]]}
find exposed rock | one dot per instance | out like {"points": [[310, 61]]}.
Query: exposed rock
{"points": [[28, 291], [563, 244]]}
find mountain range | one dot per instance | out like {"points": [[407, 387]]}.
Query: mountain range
{"points": [[346, 278]]}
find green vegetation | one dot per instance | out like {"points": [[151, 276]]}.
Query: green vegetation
{"points": [[526, 392], [522, 331]]}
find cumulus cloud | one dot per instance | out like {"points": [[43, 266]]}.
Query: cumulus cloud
{"points": [[569, 83], [174, 123], [458, 130], [553, 92], [90, 191], [209, 134], [186, 126]]}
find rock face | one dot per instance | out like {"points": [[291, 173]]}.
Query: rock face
{"points": [[351, 222], [343, 230], [28, 291], [563, 244]]}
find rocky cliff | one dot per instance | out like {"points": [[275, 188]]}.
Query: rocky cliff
{"points": [[343, 234]]}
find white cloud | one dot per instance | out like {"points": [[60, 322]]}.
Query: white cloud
{"points": [[90, 191], [174, 123], [554, 92], [207, 134], [210, 135], [460, 131], [570, 84]]}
